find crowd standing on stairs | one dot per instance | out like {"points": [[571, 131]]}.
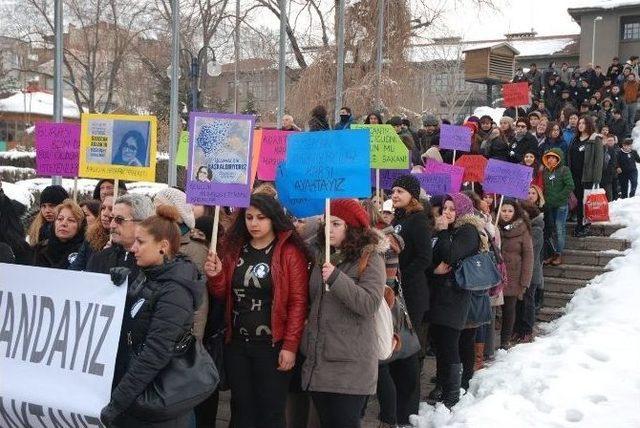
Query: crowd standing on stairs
{"points": [[294, 331]]}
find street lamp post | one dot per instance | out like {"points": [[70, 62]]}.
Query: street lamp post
{"points": [[593, 44], [213, 69]]}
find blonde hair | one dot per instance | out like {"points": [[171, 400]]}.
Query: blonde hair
{"points": [[72, 206]]}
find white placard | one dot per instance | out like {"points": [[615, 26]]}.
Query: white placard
{"points": [[59, 333]]}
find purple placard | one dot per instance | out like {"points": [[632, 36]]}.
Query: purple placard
{"points": [[508, 179], [387, 177], [57, 148], [455, 173], [434, 183], [455, 137], [219, 164]]}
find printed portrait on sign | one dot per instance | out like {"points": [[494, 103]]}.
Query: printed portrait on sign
{"points": [[221, 145], [130, 143]]}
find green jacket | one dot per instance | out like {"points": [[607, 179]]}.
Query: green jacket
{"points": [[558, 183]]}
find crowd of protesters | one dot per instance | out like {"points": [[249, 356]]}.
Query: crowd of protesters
{"points": [[292, 334]]}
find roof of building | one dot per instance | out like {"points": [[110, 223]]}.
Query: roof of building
{"points": [[535, 46], [40, 103], [585, 5]]}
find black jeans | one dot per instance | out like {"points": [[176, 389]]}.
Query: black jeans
{"points": [[207, 411], [526, 311], [508, 319], [399, 390], [338, 410], [627, 178], [467, 352], [258, 389], [447, 342]]}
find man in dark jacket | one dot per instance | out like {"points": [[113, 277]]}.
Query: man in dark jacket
{"points": [[430, 129], [534, 76], [609, 174], [627, 169], [617, 125], [128, 210]]}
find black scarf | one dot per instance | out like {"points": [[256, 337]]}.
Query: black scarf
{"points": [[58, 252]]}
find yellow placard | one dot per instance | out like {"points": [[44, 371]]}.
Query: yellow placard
{"points": [[118, 147]]}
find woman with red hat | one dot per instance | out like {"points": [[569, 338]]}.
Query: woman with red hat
{"points": [[263, 281], [340, 345]]}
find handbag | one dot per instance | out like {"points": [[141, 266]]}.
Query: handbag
{"points": [[408, 338], [478, 272], [188, 379]]}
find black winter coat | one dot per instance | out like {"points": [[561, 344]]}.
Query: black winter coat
{"points": [[165, 298], [414, 261], [517, 149], [53, 253], [449, 303]]}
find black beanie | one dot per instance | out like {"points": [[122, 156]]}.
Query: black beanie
{"points": [[409, 183], [53, 195]]}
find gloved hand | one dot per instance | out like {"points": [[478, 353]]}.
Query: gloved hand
{"points": [[109, 414], [119, 275]]}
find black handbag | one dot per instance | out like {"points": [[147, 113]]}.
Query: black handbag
{"points": [[409, 342], [188, 379]]}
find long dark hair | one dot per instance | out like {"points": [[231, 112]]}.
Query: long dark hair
{"points": [[518, 213], [590, 128], [355, 241], [238, 234]]}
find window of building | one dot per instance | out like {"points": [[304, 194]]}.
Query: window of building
{"points": [[630, 28]]}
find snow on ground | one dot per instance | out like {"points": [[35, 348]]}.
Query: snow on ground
{"points": [[583, 372], [22, 191]]}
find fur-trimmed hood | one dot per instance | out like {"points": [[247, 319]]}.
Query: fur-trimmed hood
{"points": [[97, 236], [480, 225]]}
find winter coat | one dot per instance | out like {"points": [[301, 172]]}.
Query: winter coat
{"points": [[558, 183], [497, 148], [339, 341], [197, 252], [53, 253], [568, 134], [449, 303], [527, 143], [114, 256], [605, 116], [165, 297], [631, 91], [586, 159], [551, 143], [344, 125], [289, 292], [12, 231], [537, 234], [611, 156], [319, 124], [414, 261], [95, 240], [517, 252], [618, 127]]}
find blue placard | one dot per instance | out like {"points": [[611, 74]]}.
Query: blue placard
{"points": [[329, 164], [299, 207]]}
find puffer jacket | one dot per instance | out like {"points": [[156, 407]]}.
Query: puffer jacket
{"points": [[558, 183], [290, 291], [340, 340], [164, 299], [517, 252], [450, 304]]}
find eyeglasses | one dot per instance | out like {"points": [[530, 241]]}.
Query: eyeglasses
{"points": [[120, 220], [129, 147]]}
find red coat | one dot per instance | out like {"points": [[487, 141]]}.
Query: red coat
{"points": [[290, 291]]}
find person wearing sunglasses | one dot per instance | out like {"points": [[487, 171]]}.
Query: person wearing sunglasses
{"points": [[523, 141], [132, 148]]}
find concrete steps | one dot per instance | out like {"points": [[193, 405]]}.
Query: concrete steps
{"points": [[583, 259]]}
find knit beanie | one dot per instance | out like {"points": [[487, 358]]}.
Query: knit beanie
{"points": [[53, 195], [351, 212], [177, 198], [409, 183], [462, 203]]}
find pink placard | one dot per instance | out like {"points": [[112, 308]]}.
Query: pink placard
{"points": [[273, 151], [57, 148], [455, 172]]}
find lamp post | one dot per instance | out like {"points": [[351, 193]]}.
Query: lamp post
{"points": [[593, 44], [213, 70]]}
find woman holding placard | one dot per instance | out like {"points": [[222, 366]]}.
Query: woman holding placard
{"points": [[340, 343], [263, 278], [61, 248]]}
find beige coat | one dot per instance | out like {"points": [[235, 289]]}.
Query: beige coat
{"points": [[197, 252]]}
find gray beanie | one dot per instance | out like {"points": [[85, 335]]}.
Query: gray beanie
{"points": [[177, 198]]}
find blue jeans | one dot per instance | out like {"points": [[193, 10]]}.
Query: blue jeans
{"points": [[556, 219], [630, 115]]}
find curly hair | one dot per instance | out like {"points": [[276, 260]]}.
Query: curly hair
{"points": [[355, 241]]}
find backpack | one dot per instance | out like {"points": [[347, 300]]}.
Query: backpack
{"points": [[383, 320]]}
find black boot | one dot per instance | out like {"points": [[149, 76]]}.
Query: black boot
{"points": [[436, 393], [451, 380]]}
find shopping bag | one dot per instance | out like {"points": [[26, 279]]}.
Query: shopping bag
{"points": [[596, 205]]}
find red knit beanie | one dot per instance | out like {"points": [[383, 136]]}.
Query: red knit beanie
{"points": [[351, 212]]}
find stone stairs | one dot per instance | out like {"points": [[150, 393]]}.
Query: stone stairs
{"points": [[583, 260]]}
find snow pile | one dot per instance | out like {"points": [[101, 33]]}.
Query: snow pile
{"points": [[17, 154], [495, 113], [604, 4], [40, 103], [583, 372], [23, 191]]}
